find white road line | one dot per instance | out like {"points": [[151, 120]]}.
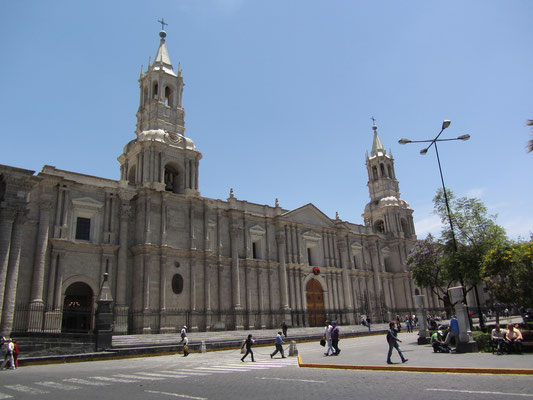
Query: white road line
{"points": [[57, 385], [291, 380], [213, 370], [85, 382], [145, 378], [114, 380], [5, 396], [481, 392], [25, 389], [160, 375], [175, 395], [241, 367], [182, 372]]}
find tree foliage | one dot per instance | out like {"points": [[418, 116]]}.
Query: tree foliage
{"points": [[457, 256], [475, 233], [508, 273], [425, 261]]}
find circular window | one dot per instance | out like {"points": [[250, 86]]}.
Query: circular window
{"points": [[177, 284], [177, 264]]}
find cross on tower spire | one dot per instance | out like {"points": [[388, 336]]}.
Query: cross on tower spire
{"points": [[373, 120], [163, 23]]}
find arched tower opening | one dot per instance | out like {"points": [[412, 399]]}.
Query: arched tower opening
{"points": [[173, 178]]}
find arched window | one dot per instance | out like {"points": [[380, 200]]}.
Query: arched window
{"points": [[405, 227], [177, 284], [382, 170], [374, 173], [390, 172], [168, 98], [172, 179], [155, 90], [145, 96], [379, 226], [131, 174]]}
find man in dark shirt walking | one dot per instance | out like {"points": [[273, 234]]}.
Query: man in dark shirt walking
{"points": [[335, 336]]}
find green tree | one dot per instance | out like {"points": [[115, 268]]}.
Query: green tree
{"points": [[474, 233], [425, 261], [508, 272]]}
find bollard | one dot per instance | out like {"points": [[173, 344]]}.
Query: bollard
{"points": [[202, 347], [293, 351]]}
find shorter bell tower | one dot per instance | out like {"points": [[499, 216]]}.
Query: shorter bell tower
{"points": [[161, 157], [386, 212]]}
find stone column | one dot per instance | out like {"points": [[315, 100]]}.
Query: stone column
{"points": [[261, 297], [7, 218], [423, 334], [346, 287], [53, 317], [163, 325], [235, 276], [10, 295], [121, 309], [280, 238], [466, 343], [193, 274]]}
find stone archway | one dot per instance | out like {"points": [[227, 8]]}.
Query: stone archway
{"points": [[315, 303], [78, 308]]}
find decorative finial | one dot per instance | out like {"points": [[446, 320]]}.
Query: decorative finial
{"points": [[162, 34], [163, 23], [142, 66], [231, 195], [336, 215], [276, 203], [374, 127]]}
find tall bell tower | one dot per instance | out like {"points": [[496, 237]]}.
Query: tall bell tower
{"points": [[386, 212], [161, 157]]}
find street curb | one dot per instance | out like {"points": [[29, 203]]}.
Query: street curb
{"points": [[449, 370]]}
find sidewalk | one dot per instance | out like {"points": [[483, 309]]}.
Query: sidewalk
{"points": [[370, 353]]}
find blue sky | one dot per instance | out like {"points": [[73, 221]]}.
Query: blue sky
{"points": [[279, 95]]}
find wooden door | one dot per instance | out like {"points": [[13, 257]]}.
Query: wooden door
{"points": [[315, 303]]}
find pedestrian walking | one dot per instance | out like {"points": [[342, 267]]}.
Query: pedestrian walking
{"points": [[368, 323], [408, 325], [16, 353], [327, 338], [185, 341], [335, 337], [279, 346], [185, 346], [284, 328], [248, 343], [392, 339], [7, 353]]}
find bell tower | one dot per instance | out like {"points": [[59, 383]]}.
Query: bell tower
{"points": [[161, 157], [386, 212]]}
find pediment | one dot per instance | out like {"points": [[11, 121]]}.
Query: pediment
{"points": [[309, 215], [87, 202], [257, 230]]}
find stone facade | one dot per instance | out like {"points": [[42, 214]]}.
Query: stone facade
{"points": [[175, 257]]}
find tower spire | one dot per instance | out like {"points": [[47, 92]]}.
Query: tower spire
{"points": [[377, 146]]}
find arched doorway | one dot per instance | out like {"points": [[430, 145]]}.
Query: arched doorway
{"points": [[77, 308], [315, 303]]}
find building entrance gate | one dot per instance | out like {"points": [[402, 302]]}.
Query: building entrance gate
{"points": [[315, 303]]}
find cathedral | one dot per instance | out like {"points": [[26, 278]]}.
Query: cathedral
{"points": [[174, 257]]}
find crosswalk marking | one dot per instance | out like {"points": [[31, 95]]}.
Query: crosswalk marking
{"points": [[5, 396], [116, 380], [145, 378], [182, 372], [26, 389], [85, 382], [156, 374], [214, 370], [57, 385]]}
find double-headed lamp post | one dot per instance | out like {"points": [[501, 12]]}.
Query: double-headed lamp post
{"points": [[445, 124]]}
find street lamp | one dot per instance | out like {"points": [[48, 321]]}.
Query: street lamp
{"points": [[446, 123]]}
